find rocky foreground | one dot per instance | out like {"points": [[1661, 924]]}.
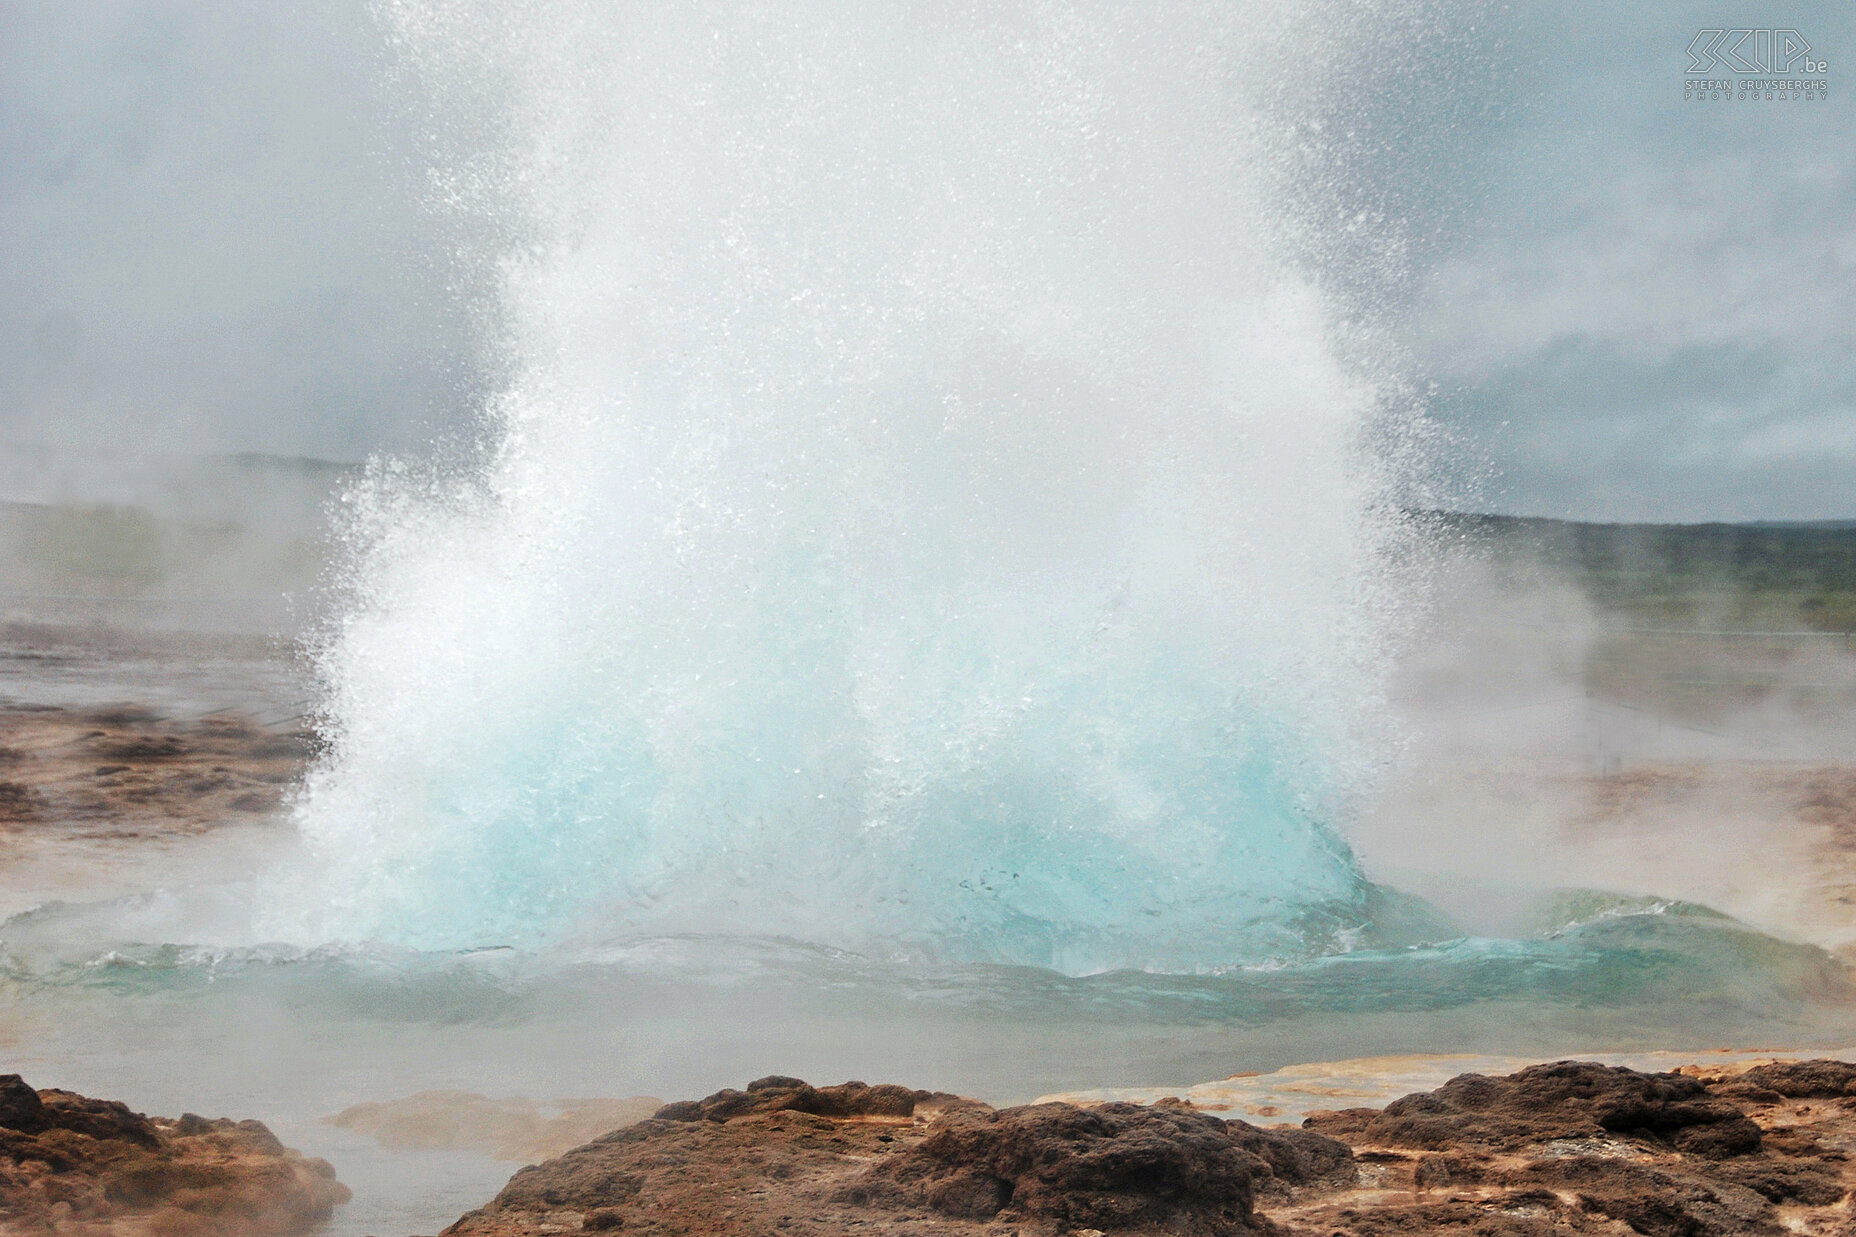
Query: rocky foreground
{"points": [[1566, 1148], [77, 1167], [1559, 1149]]}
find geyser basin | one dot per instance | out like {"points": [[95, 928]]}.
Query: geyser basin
{"points": [[926, 515]]}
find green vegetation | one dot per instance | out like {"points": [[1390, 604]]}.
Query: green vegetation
{"points": [[1785, 577]]}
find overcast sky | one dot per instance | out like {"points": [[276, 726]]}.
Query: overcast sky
{"points": [[211, 229], [1652, 313], [1633, 307]]}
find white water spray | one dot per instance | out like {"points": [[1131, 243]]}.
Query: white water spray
{"points": [[927, 516]]}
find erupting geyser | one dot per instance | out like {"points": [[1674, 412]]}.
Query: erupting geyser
{"points": [[925, 511]]}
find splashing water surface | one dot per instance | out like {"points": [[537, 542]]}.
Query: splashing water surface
{"points": [[925, 514]]}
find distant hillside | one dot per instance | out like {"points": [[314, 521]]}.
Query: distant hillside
{"points": [[1787, 575]]}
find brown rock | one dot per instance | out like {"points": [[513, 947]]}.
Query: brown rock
{"points": [[129, 773], [1119, 1166], [1804, 1079], [70, 1163], [784, 1157], [1563, 1100], [777, 1093], [1553, 1151], [1580, 1148], [20, 1106], [1656, 1202]]}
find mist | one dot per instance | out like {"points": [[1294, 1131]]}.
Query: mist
{"points": [[1658, 711]]}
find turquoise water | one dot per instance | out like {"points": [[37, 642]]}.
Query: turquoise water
{"points": [[1663, 967], [294, 1036]]}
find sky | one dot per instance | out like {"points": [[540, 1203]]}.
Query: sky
{"points": [[216, 233], [212, 225], [1651, 312]]}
